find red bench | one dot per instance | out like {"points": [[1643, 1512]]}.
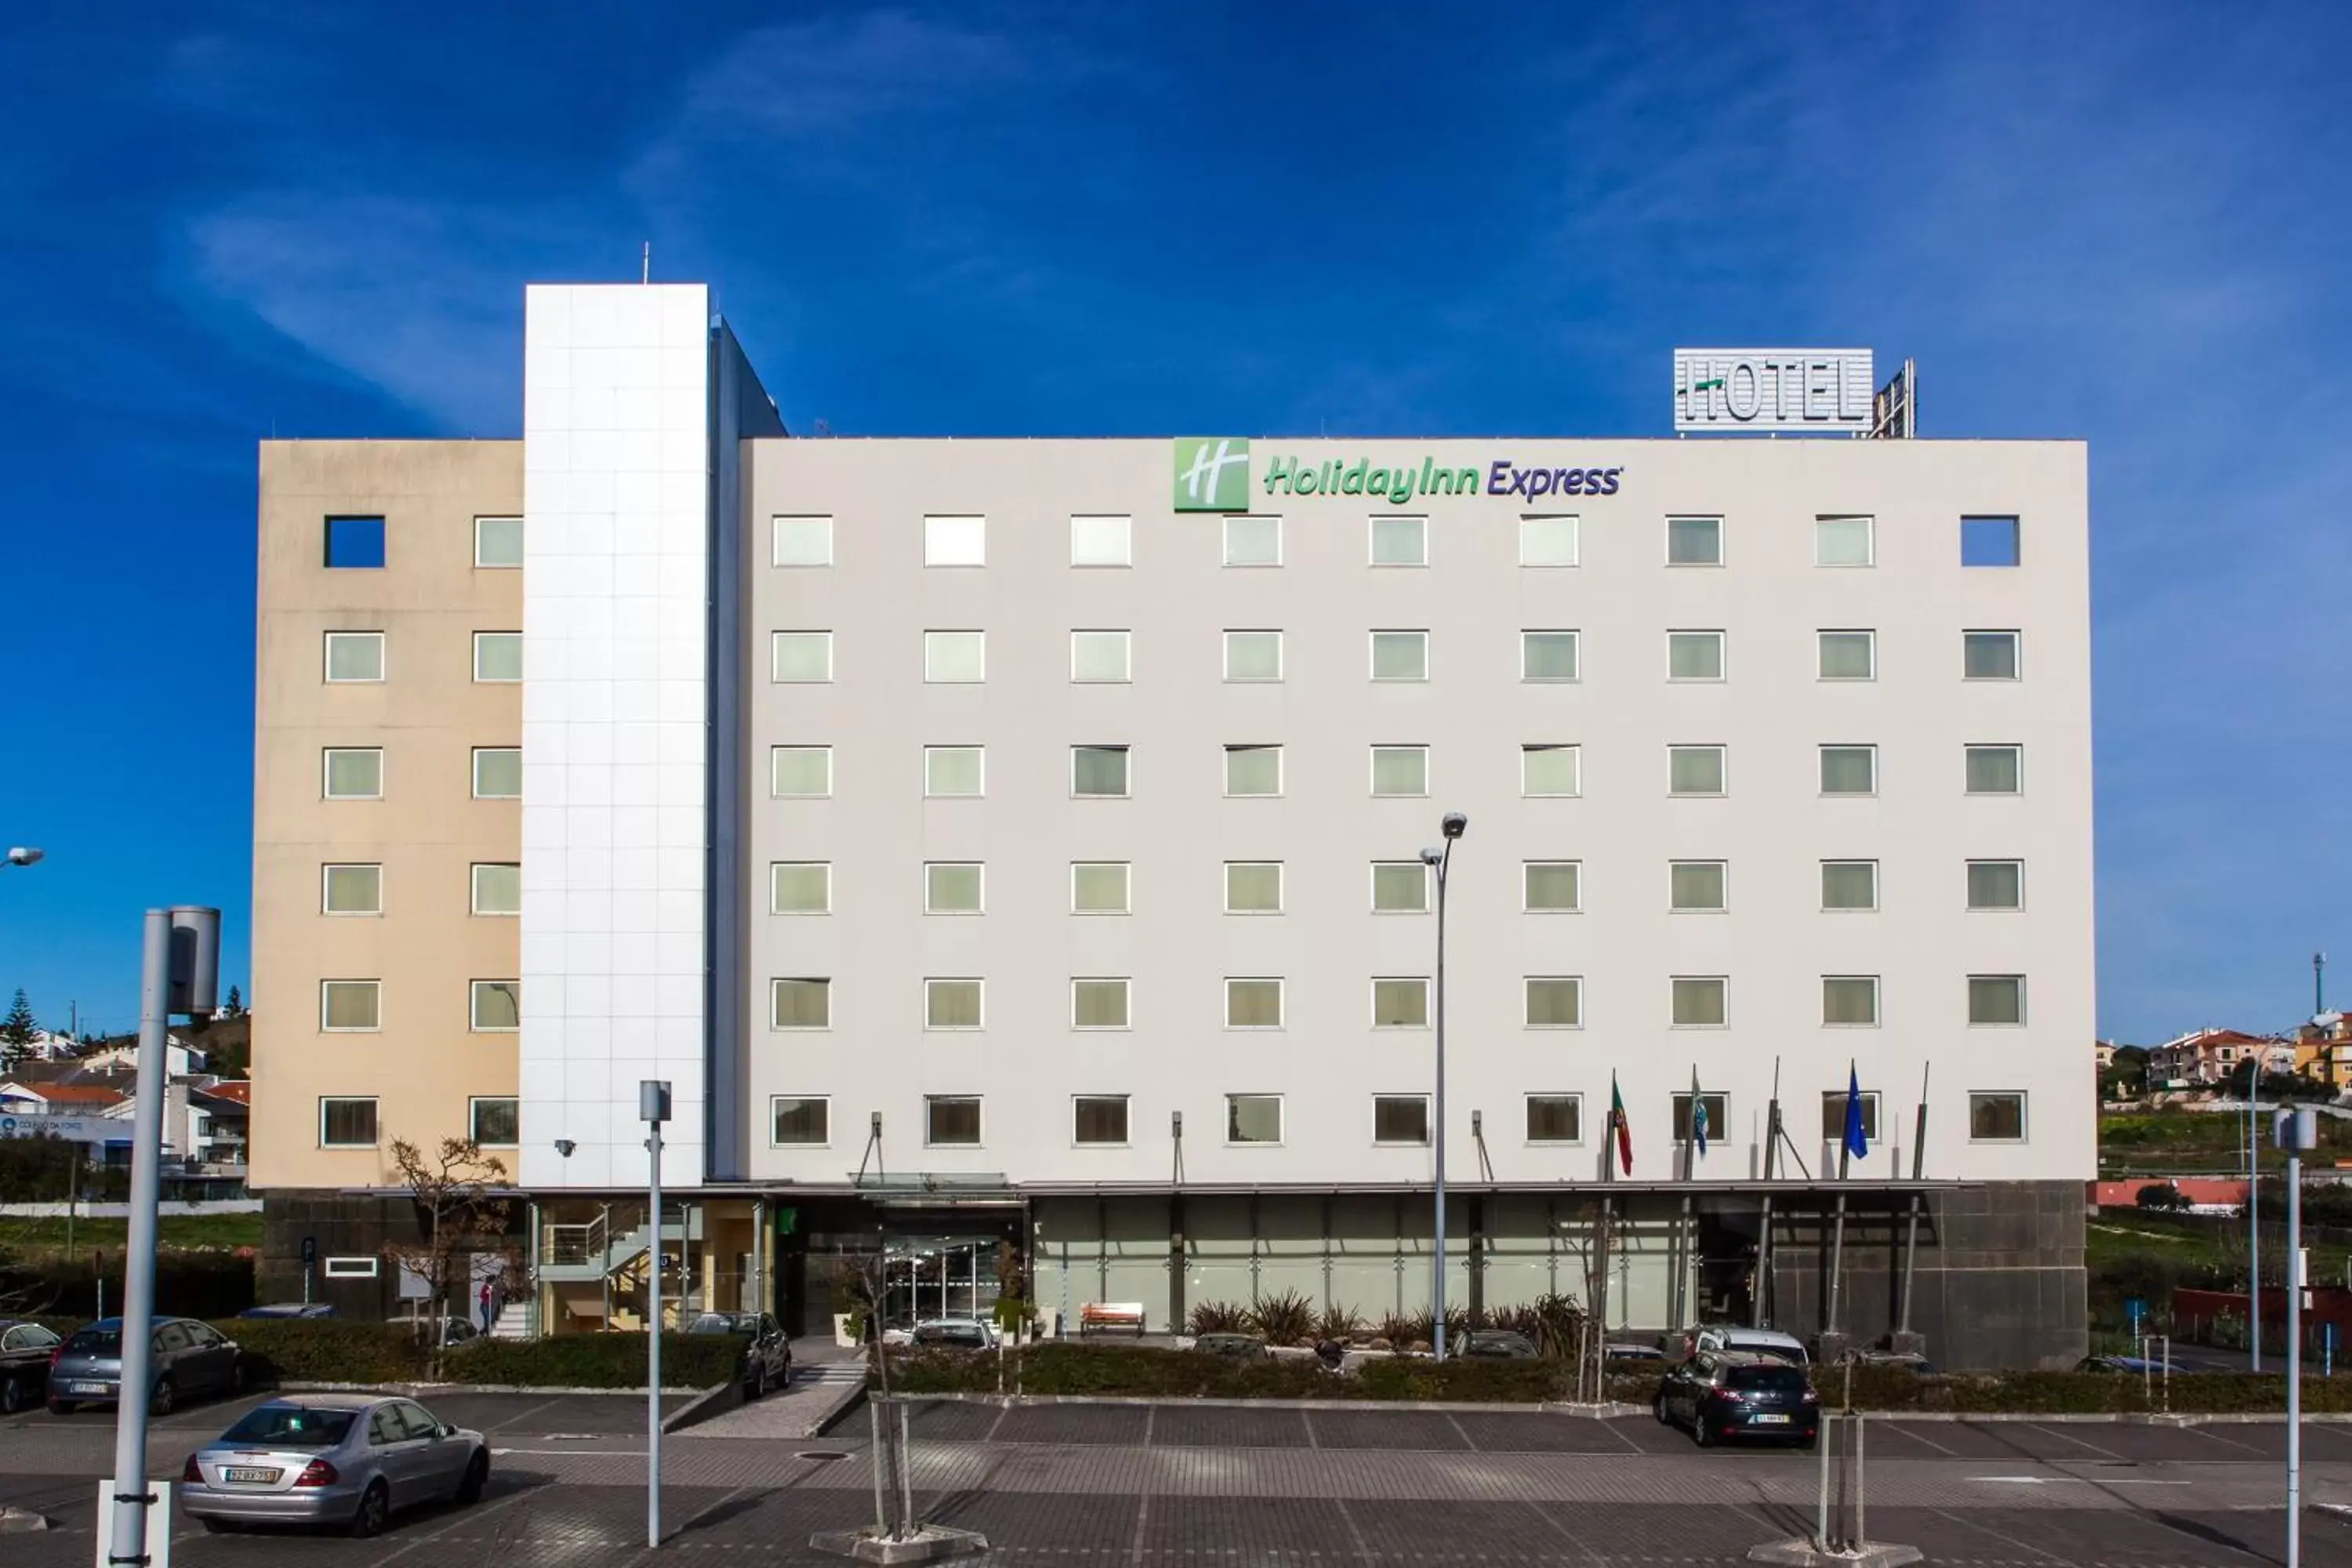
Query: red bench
{"points": [[1111, 1315]]}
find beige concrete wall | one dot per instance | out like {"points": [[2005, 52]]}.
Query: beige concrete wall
{"points": [[423, 1064]]}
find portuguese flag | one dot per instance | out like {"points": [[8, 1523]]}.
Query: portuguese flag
{"points": [[1618, 1125]]}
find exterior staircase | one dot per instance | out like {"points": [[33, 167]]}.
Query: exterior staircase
{"points": [[517, 1321], [585, 1254]]}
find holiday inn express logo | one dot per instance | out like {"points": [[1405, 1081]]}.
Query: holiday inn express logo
{"points": [[1211, 473]]}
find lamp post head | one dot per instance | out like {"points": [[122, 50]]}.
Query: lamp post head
{"points": [[565, 1146], [1430, 856], [1454, 824], [23, 856]]}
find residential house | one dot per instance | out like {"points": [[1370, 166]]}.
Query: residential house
{"points": [[2211, 1056]]}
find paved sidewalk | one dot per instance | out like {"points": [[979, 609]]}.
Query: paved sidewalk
{"points": [[826, 1380]]}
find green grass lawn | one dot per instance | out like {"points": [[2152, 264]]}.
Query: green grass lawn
{"points": [[24, 1236], [2199, 1143]]}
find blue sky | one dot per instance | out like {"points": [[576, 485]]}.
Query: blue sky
{"points": [[2122, 222]]}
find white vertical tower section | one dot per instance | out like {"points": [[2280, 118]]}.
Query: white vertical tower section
{"points": [[616, 675]]}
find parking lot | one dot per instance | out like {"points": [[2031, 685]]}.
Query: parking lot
{"points": [[1180, 1485]]}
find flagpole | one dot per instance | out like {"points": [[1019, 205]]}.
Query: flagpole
{"points": [[1759, 1292], [1845, 1164]]}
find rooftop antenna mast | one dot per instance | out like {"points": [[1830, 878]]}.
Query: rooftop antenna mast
{"points": [[645, 274]]}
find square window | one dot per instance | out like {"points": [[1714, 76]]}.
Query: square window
{"points": [[952, 1004], [1400, 656], [498, 889], [1400, 887], [1695, 885], [1843, 542], [1100, 655], [1401, 1119], [1995, 770], [1253, 1119], [1548, 770], [800, 773], [354, 656], [1693, 656], [1698, 1002], [800, 888], [801, 541], [1989, 541], [1833, 1102], [355, 773], [951, 1121], [1850, 1000], [1694, 541], [1996, 1119], [1099, 1120], [1555, 1119], [1252, 887], [347, 1123], [800, 1005], [351, 1005], [1718, 1116], [953, 771], [1099, 888], [1989, 655], [1550, 886], [497, 772], [1253, 540], [1547, 656], [352, 891], [1253, 770], [1995, 884], [497, 1005], [497, 655], [1849, 770], [1547, 541], [1849, 656], [954, 658], [498, 542], [1099, 773], [1098, 1004], [1400, 542], [1849, 884], [354, 542], [1401, 1003], [1695, 770], [803, 1121], [1101, 542], [1555, 1002], [952, 888], [1253, 656], [801, 656], [1252, 1004], [955, 541], [1400, 770], [495, 1124], [1997, 999]]}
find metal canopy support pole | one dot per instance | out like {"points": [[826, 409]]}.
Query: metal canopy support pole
{"points": [[1911, 1233], [1837, 1264], [1755, 1313]]}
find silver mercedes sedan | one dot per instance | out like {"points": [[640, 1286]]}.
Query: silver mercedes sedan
{"points": [[344, 1459]]}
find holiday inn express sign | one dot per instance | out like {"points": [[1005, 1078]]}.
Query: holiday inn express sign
{"points": [[1214, 473]]}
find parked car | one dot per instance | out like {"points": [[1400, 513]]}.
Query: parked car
{"points": [[1497, 1344], [289, 1310], [1633, 1352], [767, 1359], [955, 1334], [452, 1329], [2137, 1366], [1246, 1347], [1769, 1342], [1741, 1394], [347, 1459], [24, 1352], [190, 1358]]}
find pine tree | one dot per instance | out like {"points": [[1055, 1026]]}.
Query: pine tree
{"points": [[235, 1004], [16, 1031]]}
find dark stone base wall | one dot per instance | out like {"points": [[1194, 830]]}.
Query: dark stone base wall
{"points": [[343, 1227], [2000, 1278]]}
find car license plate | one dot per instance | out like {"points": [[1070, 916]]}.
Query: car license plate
{"points": [[1766, 1420], [86, 1387], [245, 1476]]}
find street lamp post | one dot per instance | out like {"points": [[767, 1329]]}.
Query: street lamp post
{"points": [[2298, 1132], [23, 856], [653, 1109], [1451, 825]]}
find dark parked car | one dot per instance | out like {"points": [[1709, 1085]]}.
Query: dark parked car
{"points": [[289, 1310], [767, 1359], [2137, 1366], [1732, 1393], [1248, 1347], [347, 1459], [190, 1358], [24, 1352], [1498, 1344]]}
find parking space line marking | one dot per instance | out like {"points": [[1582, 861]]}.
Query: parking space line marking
{"points": [[1152, 1412], [1545, 1514], [1004, 1410], [2217, 1437], [463, 1516], [1142, 1515], [1901, 1429], [1474, 1447], [535, 1409], [1997, 1535], [1630, 1445], [1306, 1419], [2058, 1432], [1363, 1550]]}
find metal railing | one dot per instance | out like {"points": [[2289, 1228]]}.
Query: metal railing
{"points": [[586, 1243]]}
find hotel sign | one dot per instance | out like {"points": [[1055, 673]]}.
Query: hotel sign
{"points": [[1214, 474], [1817, 390]]}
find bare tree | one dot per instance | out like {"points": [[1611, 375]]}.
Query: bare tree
{"points": [[457, 1214]]}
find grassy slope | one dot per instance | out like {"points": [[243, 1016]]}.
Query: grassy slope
{"points": [[26, 1235]]}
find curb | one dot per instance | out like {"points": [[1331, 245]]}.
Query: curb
{"points": [[419, 1390], [1618, 1410]]}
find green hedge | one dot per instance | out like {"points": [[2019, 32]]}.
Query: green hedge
{"points": [[327, 1350], [1130, 1370], [210, 1283], [597, 1360]]}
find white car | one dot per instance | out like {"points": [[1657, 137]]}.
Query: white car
{"points": [[1769, 1342], [956, 1334]]}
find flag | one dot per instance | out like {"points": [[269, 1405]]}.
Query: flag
{"points": [[1698, 1114], [1857, 1144], [1618, 1125]]}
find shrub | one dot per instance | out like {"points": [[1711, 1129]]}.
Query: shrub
{"points": [[327, 1350], [188, 1284], [1216, 1318], [1339, 1324], [1490, 1381], [598, 1361], [2161, 1195], [1283, 1319]]}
